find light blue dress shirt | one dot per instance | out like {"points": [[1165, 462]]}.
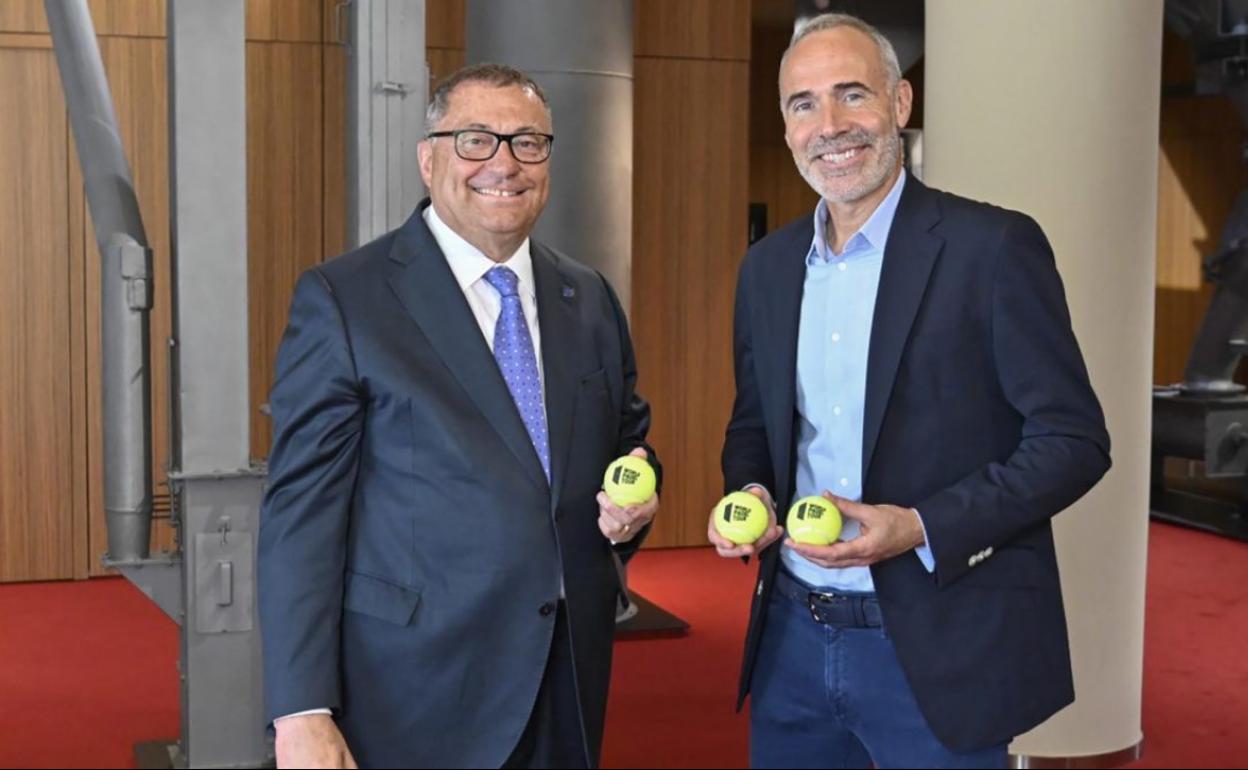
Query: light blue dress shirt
{"points": [[838, 303]]}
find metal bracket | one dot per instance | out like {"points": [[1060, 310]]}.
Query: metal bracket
{"points": [[391, 87], [159, 578]]}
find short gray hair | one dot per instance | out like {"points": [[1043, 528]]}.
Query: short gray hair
{"points": [[499, 75], [827, 21]]}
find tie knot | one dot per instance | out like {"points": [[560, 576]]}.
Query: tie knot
{"points": [[502, 279]]}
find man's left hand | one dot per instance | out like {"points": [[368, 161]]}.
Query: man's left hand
{"points": [[886, 531], [620, 525]]}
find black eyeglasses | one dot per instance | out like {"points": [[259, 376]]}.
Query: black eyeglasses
{"points": [[478, 144]]}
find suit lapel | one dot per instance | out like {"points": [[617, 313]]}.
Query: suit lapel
{"points": [[427, 288], [556, 309], [909, 256]]}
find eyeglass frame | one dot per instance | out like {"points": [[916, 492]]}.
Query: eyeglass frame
{"points": [[499, 139]]}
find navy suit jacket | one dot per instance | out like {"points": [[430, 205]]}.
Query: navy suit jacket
{"points": [[411, 548], [979, 414]]}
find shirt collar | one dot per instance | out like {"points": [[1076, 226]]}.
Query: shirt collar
{"points": [[470, 265], [872, 235]]}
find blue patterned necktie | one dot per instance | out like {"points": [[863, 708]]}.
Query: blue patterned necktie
{"points": [[513, 350]]}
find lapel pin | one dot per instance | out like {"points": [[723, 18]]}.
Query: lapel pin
{"points": [[568, 292]]}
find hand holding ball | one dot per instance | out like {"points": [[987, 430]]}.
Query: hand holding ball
{"points": [[814, 520], [741, 517]]}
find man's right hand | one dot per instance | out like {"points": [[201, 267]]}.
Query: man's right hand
{"points": [[311, 741], [729, 549]]}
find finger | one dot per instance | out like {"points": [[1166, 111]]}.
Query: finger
{"points": [[772, 534], [725, 547], [605, 504], [639, 452], [850, 509], [618, 531]]}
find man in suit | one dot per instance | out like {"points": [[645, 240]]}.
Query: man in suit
{"points": [[908, 354], [438, 567]]}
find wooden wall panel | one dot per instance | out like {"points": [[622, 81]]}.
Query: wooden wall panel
{"points": [[692, 29], [22, 16], [284, 199], [285, 20], [36, 389], [135, 18], [689, 234], [442, 62], [334, 173], [444, 24], [444, 38]]}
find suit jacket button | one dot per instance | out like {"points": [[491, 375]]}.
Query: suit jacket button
{"points": [[546, 609]]}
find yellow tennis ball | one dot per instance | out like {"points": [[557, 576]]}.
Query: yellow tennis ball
{"points": [[629, 481], [741, 517], [814, 520]]}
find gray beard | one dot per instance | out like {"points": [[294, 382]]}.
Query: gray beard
{"points": [[873, 177]]}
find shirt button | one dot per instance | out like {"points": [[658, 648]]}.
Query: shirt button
{"points": [[842, 267], [546, 609], [836, 336], [836, 410], [844, 482]]}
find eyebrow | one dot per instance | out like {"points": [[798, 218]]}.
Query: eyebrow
{"points": [[839, 88]]}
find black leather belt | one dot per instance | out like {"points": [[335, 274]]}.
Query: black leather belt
{"points": [[845, 610]]}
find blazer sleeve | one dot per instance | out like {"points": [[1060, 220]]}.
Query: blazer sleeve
{"points": [[1064, 449], [318, 415], [745, 458]]}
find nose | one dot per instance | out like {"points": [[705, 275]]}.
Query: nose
{"points": [[503, 161], [832, 119]]}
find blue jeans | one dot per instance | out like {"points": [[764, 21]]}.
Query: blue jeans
{"points": [[833, 694]]}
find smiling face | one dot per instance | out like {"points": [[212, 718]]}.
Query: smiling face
{"points": [[842, 116], [493, 204]]}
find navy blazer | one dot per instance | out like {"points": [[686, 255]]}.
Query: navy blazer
{"points": [[411, 548], [979, 414]]}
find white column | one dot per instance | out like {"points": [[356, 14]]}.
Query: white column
{"points": [[1052, 109]]}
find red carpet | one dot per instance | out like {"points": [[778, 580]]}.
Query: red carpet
{"points": [[87, 669]]}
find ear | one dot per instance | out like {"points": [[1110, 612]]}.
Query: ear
{"points": [[425, 152], [903, 103]]}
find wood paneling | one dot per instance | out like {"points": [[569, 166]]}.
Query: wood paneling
{"points": [[689, 234], [284, 199], [334, 181], [444, 38], [442, 62], [692, 29], [36, 370], [22, 16], [285, 20], [137, 18], [444, 24]]}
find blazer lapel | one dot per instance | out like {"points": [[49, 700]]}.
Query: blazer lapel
{"points": [[556, 308], [909, 256], [427, 288]]}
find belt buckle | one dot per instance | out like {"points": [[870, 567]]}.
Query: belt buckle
{"points": [[814, 599]]}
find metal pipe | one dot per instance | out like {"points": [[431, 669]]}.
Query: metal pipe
{"points": [[582, 55], [125, 280]]}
